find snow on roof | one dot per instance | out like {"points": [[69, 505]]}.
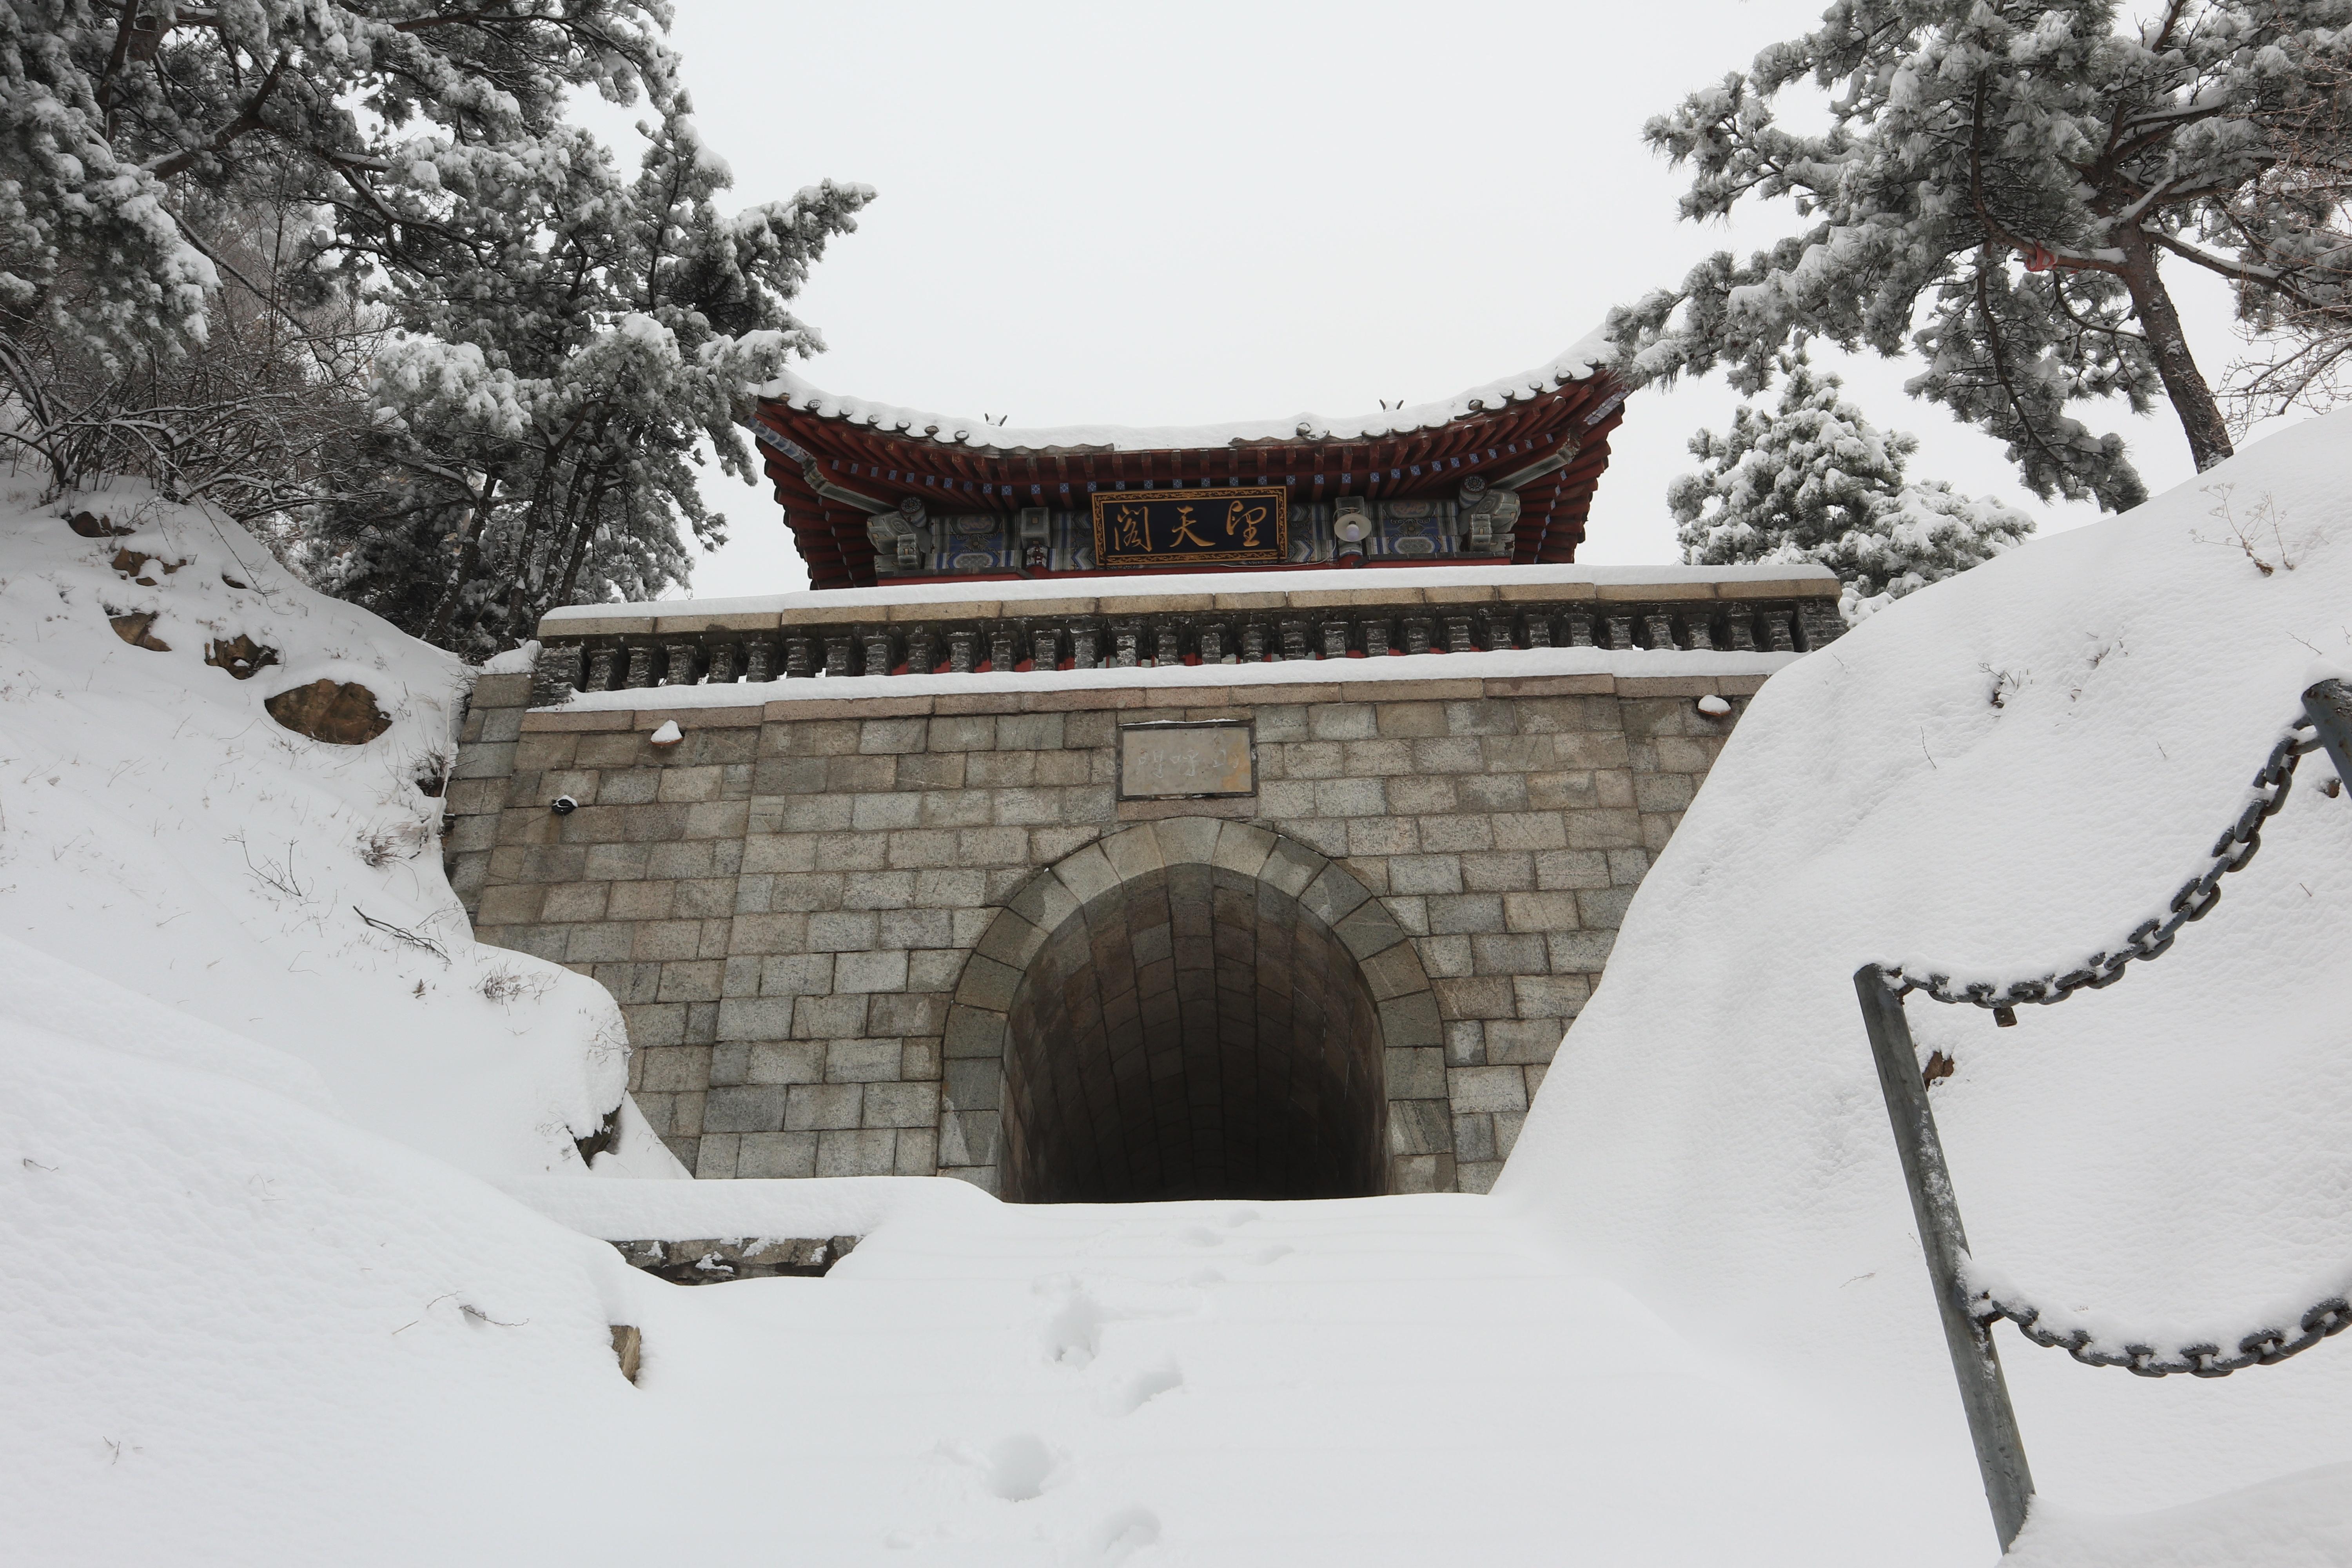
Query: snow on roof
{"points": [[1583, 359]]}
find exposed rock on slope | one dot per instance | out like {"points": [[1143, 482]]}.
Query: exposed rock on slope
{"points": [[191, 837]]}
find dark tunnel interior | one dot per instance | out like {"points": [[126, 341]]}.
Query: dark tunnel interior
{"points": [[1193, 1034]]}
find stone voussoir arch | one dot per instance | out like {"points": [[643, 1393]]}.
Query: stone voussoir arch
{"points": [[978, 1034]]}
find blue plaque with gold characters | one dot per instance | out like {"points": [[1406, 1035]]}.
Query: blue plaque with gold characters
{"points": [[1234, 526]]}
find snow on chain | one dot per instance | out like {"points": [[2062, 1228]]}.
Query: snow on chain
{"points": [[2092, 1339], [2095, 1340]]}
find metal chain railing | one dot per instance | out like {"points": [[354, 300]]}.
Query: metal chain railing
{"points": [[2265, 1346], [1966, 1299], [2272, 1342], [2154, 936]]}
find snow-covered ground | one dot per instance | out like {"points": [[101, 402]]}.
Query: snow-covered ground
{"points": [[261, 1304], [1997, 777], [159, 831]]}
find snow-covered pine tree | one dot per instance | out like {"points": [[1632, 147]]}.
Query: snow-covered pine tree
{"points": [[570, 349], [1816, 482], [2299, 339], [112, 114], [560, 337], [2015, 170]]}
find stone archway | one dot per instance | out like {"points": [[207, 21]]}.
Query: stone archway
{"points": [[1191, 1008]]}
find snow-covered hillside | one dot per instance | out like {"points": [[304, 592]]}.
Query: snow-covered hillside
{"points": [[261, 1307], [1997, 777], [159, 830]]}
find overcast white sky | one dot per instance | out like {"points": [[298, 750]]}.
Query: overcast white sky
{"points": [[1162, 214]]}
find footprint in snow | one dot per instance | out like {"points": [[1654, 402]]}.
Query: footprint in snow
{"points": [[1148, 1385], [1202, 1235], [1074, 1334], [1018, 1468], [1124, 1533]]}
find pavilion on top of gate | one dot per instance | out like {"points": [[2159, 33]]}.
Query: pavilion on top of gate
{"points": [[876, 494]]}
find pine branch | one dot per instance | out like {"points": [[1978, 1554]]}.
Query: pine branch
{"points": [[2066, 308], [2001, 365], [2237, 272], [248, 119], [1992, 226]]}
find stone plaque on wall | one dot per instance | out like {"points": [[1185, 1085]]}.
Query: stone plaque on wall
{"points": [[1186, 760]]}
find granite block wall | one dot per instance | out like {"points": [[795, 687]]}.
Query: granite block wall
{"points": [[786, 902]]}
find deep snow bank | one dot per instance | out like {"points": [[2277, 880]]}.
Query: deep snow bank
{"points": [[236, 1332], [2003, 774], [2303, 1520], [158, 828], [236, 1329]]}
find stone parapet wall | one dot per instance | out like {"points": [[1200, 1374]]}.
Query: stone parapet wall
{"points": [[786, 904], [1075, 625]]}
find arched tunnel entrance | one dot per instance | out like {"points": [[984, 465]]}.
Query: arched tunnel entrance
{"points": [[1193, 1032]]}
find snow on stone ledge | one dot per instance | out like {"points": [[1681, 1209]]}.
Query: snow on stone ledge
{"points": [[1473, 583], [639, 1210], [1578, 363], [519, 660], [1522, 664]]}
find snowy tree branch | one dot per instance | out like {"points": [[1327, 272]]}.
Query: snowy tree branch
{"points": [[247, 120], [1993, 226]]}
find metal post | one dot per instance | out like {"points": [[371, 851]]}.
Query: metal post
{"points": [[2329, 704], [1992, 1425]]}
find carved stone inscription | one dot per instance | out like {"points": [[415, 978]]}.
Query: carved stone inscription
{"points": [[1185, 761]]}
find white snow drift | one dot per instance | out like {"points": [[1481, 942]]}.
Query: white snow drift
{"points": [[254, 1312], [1996, 778], [158, 828]]}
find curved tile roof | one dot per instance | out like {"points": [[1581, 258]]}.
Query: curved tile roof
{"points": [[1580, 362], [835, 460]]}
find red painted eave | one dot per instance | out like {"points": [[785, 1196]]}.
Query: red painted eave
{"points": [[950, 478]]}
